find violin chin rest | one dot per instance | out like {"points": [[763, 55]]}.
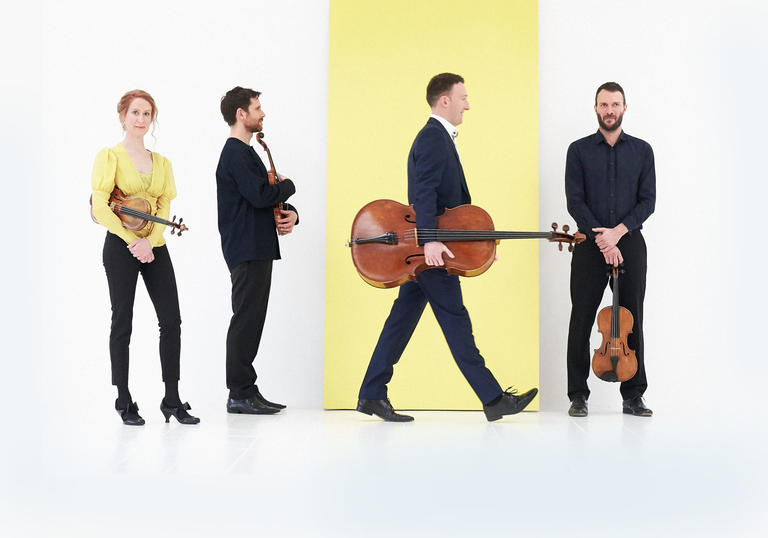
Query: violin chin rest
{"points": [[609, 376]]}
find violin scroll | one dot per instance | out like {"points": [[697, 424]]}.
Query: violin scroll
{"points": [[177, 226], [565, 237]]}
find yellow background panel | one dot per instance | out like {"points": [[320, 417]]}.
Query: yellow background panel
{"points": [[382, 54]]}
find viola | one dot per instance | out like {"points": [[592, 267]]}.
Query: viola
{"points": [[614, 360], [385, 241], [272, 177], [134, 214]]}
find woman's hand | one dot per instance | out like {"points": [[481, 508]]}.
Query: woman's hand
{"points": [[142, 250]]}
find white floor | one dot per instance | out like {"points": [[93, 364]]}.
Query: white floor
{"points": [[340, 473]]}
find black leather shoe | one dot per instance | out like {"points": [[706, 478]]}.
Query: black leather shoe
{"points": [[509, 404], [179, 412], [266, 402], [578, 407], [249, 406], [382, 409], [130, 414], [636, 406]]}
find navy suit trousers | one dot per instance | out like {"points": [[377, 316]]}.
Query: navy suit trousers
{"points": [[443, 292]]}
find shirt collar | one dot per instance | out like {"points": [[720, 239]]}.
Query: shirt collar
{"points": [[448, 126], [600, 138]]}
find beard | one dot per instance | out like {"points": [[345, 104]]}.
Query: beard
{"points": [[610, 128], [254, 126]]}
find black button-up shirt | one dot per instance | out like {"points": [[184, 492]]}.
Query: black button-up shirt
{"points": [[606, 186]]}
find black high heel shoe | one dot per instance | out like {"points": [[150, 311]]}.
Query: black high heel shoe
{"points": [[179, 412], [130, 414]]}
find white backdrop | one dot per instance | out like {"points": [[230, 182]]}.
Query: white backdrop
{"points": [[693, 72], [694, 75]]}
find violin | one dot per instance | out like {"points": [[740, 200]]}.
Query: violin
{"points": [[614, 360], [133, 212], [385, 241], [272, 177]]}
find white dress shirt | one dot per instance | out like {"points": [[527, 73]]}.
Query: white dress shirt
{"points": [[448, 127]]}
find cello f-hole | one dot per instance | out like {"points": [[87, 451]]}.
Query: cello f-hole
{"points": [[408, 258], [410, 219]]}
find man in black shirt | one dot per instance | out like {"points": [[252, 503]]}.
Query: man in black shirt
{"points": [[249, 242], [610, 185]]}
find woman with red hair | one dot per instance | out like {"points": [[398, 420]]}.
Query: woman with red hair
{"points": [[136, 171]]}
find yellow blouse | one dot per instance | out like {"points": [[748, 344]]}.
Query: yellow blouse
{"points": [[114, 166]]}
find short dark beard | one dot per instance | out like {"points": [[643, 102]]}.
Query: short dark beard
{"points": [[613, 127]]}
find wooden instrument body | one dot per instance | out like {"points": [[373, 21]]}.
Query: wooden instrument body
{"points": [[134, 214], [614, 360], [388, 265], [118, 199]]}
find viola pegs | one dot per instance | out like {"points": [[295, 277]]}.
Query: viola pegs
{"points": [[570, 247], [566, 228], [554, 226], [560, 247]]}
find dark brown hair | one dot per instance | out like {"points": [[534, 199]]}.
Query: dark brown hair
{"points": [[440, 85], [611, 87], [236, 98]]}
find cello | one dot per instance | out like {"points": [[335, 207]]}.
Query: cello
{"points": [[614, 360], [272, 177], [385, 241]]}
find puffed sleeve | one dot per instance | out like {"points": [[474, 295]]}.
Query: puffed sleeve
{"points": [[163, 208], [103, 183]]}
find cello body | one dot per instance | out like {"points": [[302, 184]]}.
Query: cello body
{"points": [[386, 264]]}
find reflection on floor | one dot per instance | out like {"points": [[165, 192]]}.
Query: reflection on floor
{"points": [[340, 473]]}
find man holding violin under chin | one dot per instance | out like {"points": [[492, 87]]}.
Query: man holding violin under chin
{"points": [[435, 182], [610, 186]]}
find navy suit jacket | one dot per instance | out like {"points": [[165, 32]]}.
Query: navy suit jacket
{"points": [[435, 177]]}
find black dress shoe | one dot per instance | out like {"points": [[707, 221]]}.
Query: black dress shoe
{"points": [[382, 409], [249, 406], [578, 407], [180, 412], [509, 404], [636, 406], [266, 402], [130, 414]]}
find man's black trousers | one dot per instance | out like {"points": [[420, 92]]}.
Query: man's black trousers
{"points": [[250, 294], [589, 276]]}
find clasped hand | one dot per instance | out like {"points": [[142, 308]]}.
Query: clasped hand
{"points": [[607, 239], [142, 250]]}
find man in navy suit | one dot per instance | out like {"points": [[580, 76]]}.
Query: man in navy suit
{"points": [[435, 183]]}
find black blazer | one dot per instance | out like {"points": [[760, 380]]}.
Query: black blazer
{"points": [[435, 176], [245, 201]]}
